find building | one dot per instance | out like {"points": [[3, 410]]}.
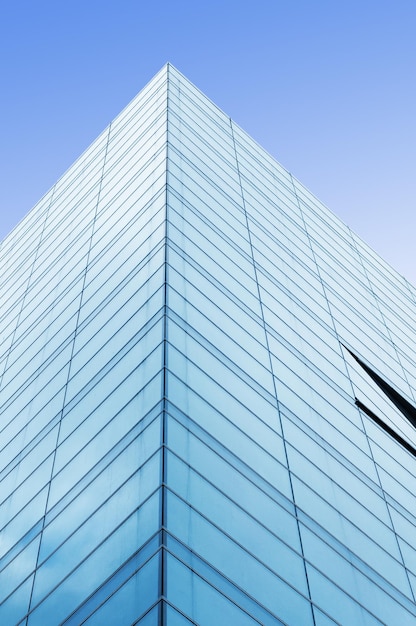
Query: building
{"points": [[207, 392]]}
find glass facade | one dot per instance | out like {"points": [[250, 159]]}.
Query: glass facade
{"points": [[207, 385]]}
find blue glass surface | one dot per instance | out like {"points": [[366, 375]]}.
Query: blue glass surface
{"points": [[180, 441]]}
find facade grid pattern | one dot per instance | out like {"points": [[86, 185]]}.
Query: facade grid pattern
{"points": [[190, 346]]}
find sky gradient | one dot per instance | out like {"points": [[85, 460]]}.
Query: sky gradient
{"points": [[327, 87]]}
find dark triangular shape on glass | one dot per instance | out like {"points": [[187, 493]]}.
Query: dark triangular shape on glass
{"points": [[407, 409], [385, 427]]}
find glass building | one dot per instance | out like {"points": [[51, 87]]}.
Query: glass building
{"points": [[207, 392]]}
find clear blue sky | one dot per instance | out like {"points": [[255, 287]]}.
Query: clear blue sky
{"points": [[327, 86]]}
